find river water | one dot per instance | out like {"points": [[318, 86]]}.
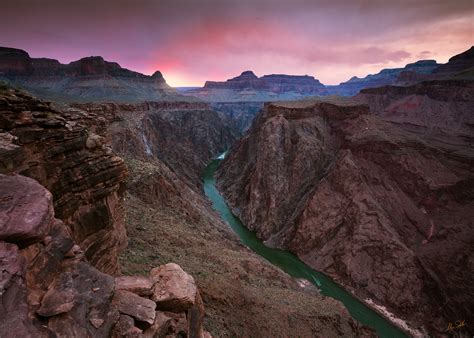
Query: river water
{"points": [[293, 265]]}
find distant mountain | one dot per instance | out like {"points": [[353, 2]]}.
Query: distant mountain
{"points": [[383, 78], [458, 65], [248, 87], [86, 80]]}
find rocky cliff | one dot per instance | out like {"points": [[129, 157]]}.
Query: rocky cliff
{"points": [[86, 80], [51, 243], [384, 207], [249, 87], [84, 176], [441, 106], [239, 115], [183, 135]]}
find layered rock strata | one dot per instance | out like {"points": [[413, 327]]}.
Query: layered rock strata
{"points": [[385, 208], [86, 179]]}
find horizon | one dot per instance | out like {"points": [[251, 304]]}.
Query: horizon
{"points": [[191, 43]]}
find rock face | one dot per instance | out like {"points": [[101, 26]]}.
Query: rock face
{"points": [[248, 87], [384, 207], [440, 106], [86, 183], [88, 79], [384, 77], [239, 115], [183, 135], [48, 287]]}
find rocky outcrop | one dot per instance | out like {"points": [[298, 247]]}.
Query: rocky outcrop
{"points": [[183, 135], [85, 178], [248, 87], [87, 80], [51, 284], [48, 289], [385, 208]]}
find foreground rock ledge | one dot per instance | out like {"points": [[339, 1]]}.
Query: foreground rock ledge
{"points": [[48, 289]]}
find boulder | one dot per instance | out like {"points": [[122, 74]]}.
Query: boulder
{"points": [[142, 309], [26, 210], [173, 289], [139, 285]]}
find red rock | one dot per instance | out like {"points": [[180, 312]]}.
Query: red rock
{"points": [[139, 285], [125, 327], [58, 299], [160, 327], [142, 309], [87, 184], [173, 290], [26, 211], [13, 294]]}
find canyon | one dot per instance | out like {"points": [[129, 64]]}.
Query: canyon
{"points": [[88, 204], [375, 191], [106, 229]]}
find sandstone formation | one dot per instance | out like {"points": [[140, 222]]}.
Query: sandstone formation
{"points": [[383, 206], [86, 80], [248, 87]]}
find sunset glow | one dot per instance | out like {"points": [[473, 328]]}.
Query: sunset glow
{"points": [[194, 41]]}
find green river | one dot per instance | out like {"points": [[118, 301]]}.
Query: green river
{"points": [[293, 265]]}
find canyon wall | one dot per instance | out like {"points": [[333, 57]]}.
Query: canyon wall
{"points": [[54, 242], [384, 207], [84, 176], [182, 135]]}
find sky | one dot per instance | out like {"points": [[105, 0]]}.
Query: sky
{"points": [[191, 41]]}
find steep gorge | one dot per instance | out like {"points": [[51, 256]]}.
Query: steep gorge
{"points": [[385, 208]]}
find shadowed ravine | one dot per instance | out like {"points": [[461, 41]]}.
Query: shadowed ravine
{"points": [[292, 265]]}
